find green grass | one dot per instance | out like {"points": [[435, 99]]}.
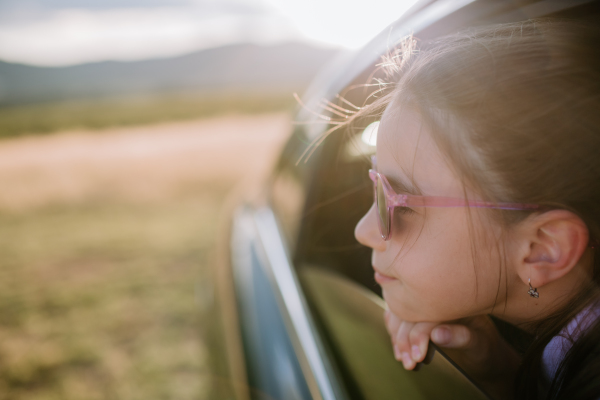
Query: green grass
{"points": [[98, 114], [106, 300]]}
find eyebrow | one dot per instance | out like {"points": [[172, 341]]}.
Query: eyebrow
{"points": [[401, 187]]}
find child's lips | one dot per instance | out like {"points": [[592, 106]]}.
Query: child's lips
{"points": [[381, 278]]}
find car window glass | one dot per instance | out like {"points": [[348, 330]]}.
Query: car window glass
{"points": [[287, 196], [339, 194], [288, 187]]}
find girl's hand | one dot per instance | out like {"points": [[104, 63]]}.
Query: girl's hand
{"points": [[472, 343]]}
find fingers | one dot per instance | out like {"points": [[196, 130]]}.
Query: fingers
{"points": [[410, 340], [469, 341], [452, 336], [402, 345], [419, 340]]}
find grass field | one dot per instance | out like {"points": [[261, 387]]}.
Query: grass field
{"points": [[103, 301], [106, 113], [104, 295]]}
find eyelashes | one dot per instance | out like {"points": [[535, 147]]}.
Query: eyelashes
{"points": [[404, 210]]}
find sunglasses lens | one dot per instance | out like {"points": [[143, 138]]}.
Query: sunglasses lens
{"points": [[382, 209]]}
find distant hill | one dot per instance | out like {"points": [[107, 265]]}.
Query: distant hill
{"points": [[235, 68]]}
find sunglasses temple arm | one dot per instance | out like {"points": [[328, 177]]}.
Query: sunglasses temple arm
{"points": [[431, 201]]}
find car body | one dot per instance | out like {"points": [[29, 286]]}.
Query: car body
{"points": [[302, 314]]}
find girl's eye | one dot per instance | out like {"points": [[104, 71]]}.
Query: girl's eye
{"points": [[401, 217], [404, 210]]}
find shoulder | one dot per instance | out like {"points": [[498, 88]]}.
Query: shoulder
{"points": [[571, 360]]}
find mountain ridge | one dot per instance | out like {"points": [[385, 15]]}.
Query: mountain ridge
{"points": [[233, 68]]}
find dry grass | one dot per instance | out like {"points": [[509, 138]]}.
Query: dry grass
{"points": [[104, 243], [105, 113]]}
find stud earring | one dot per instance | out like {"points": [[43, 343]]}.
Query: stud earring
{"points": [[532, 292]]}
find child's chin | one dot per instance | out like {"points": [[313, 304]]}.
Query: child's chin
{"points": [[407, 313], [399, 309]]}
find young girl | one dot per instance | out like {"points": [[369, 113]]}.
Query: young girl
{"points": [[494, 136]]}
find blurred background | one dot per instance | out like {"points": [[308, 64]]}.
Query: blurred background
{"points": [[123, 127]]}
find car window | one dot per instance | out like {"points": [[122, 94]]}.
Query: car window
{"points": [[289, 187], [339, 194]]}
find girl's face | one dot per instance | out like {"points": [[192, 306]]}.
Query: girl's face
{"points": [[428, 270]]}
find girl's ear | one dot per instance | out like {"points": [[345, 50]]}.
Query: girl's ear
{"points": [[551, 244]]}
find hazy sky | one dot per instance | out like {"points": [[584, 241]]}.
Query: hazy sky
{"points": [[63, 32]]}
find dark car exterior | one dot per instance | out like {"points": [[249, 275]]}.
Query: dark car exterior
{"points": [[301, 312]]}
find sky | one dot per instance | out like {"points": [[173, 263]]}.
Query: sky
{"points": [[68, 32]]}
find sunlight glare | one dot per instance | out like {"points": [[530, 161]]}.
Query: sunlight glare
{"points": [[369, 135], [334, 22]]}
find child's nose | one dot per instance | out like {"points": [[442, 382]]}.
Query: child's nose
{"points": [[367, 231]]}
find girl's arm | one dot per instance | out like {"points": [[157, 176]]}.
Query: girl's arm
{"points": [[472, 343]]}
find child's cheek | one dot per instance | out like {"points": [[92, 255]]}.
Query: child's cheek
{"points": [[436, 283]]}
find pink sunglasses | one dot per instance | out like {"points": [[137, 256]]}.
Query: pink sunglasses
{"points": [[386, 200]]}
